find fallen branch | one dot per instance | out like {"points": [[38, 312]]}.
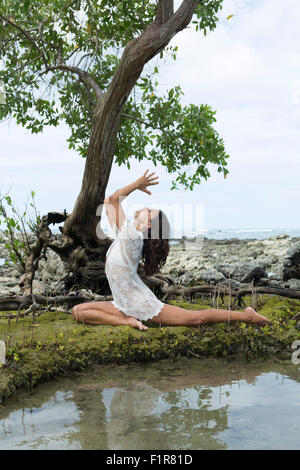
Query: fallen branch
{"points": [[175, 289], [45, 239], [36, 301], [21, 301], [282, 291]]}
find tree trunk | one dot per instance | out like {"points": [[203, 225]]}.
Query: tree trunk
{"points": [[83, 244], [82, 223]]}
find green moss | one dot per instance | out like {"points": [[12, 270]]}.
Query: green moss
{"points": [[57, 344]]}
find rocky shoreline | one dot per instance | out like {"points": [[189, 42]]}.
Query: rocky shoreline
{"points": [[190, 261], [221, 261]]}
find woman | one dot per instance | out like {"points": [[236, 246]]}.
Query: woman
{"points": [[145, 238]]}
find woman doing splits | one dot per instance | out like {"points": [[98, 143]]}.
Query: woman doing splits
{"points": [[146, 238]]}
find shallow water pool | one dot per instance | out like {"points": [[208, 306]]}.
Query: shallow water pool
{"points": [[181, 404]]}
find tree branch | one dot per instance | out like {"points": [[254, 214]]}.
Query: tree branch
{"points": [[7, 41], [76, 50], [142, 49], [83, 57], [25, 33], [84, 76], [87, 80], [41, 27], [146, 123], [21, 301], [21, 67], [165, 10]]}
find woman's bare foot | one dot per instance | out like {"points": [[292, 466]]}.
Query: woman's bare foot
{"points": [[254, 317], [135, 323]]}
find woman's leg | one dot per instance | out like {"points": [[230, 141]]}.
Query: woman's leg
{"points": [[104, 313], [173, 315]]}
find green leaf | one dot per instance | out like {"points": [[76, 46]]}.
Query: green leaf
{"points": [[26, 5], [162, 128]]}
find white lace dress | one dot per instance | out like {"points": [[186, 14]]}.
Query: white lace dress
{"points": [[130, 295]]}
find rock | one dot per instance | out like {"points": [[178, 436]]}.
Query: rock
{"points": [[239, 271], [190, 260], [211, 275], [293, 283], [193, 238], [8, 281], [276, 283], [255, 275], [232, 283], [256, 253], [87, 293], [291, 264], [51, 268], [233, 258], [4, 267]]}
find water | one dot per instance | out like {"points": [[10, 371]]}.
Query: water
{"points": [[182, 404], [240, 233], [243, 233], [219, 233], [225, 233]]}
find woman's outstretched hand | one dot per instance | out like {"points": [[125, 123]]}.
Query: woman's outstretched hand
{"points": [[146, 180]]}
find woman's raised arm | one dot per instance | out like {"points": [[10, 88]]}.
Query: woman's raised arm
{"points": [[114, 210]]}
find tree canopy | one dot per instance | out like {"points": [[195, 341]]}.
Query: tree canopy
{"points": [[58, 58]]}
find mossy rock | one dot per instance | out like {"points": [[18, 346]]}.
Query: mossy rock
{"points": [[57, 343]]}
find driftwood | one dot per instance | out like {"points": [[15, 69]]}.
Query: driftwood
{"points": [[163, 284], [274, 290], [13, 302], [35, 303], [174, 289], [44, 238]]}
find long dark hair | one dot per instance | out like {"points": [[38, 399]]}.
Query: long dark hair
{"points": [[156, 244]]}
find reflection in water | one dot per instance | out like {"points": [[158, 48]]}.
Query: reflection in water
{"points": [[40, 424], [182, 404]]}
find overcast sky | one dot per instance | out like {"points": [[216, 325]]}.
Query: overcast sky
{"points": [[248, 70]]}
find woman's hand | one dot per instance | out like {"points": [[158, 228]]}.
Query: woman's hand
{"points": [[145, 181]]}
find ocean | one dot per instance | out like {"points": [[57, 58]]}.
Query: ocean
{"points": [[242, 233], [224, 233]]}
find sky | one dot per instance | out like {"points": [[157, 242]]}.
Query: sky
{"points": [[248, 70]]}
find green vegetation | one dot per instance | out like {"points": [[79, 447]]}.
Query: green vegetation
{"points": [[59, 59], [15, 227], [56, 343]]}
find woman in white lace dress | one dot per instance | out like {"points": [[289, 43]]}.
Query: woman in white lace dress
{"points": [[146, 237]]}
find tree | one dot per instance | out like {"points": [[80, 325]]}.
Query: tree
{"points": [[82, 62]]}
